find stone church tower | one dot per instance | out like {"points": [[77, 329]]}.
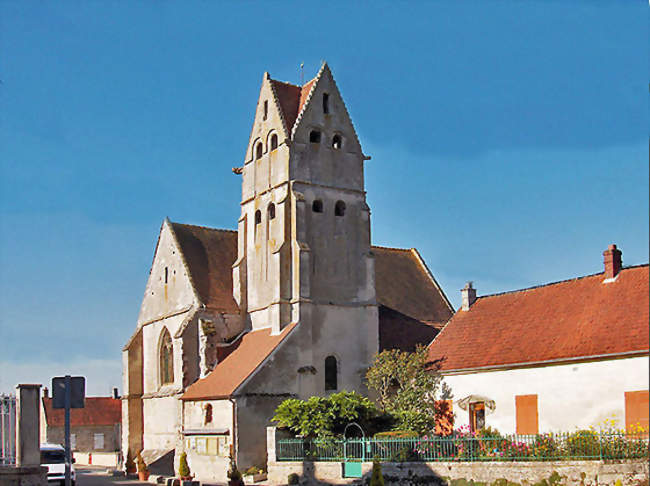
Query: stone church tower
{"points": [[295, 303], [304, 232]]}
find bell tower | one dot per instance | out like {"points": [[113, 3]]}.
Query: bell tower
{"points": [[304, 233]]}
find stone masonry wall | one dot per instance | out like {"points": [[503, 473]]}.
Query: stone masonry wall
{"points": [[573, 473]]}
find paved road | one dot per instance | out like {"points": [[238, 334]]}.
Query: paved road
{"points": [[87, 476]]}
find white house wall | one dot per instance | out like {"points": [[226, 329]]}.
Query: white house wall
{"points": [[568, 396]]}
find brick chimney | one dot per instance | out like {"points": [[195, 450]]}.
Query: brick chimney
{"points": [[613, 262], [46, 392], [469, 296]]}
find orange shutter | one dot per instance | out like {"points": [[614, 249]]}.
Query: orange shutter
{"points": [[636, 410], [527, 415], [444, 417]]}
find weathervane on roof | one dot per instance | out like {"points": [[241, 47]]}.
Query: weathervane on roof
{"points": [[302, 73]]}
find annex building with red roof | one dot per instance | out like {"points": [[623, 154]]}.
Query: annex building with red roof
{"points": [[553, 357], [294, 303], [95, 429]]}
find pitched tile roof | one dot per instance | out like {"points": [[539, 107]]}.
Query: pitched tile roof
{"points": [[249, 353], [97, 411], [399, 331], [209, 254], [403, 283], [577, 318], [292, 98]]}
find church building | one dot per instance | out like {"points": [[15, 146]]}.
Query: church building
{"points": [[294, 303]]}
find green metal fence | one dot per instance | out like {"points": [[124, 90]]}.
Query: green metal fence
{"points": [[545, 447]]}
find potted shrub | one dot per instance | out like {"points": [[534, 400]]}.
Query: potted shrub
{"points": [[143, 471], [234, 476], [184, 470], [256, 473], [377, 479], [293, 478], [129, 465]]}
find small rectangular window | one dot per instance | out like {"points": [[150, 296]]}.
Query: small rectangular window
{"points": [[98, 441], [527, 415], [266, 109], [476, 416]]}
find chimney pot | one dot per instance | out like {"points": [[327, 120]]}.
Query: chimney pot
{"points": [[469, 296], [613, 261], [45, 392], [115, 393]]}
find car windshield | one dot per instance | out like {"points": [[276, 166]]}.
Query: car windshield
{"points": [[52, 457]]}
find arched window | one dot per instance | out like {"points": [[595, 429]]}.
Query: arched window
{"points": [[317, 206], [166, 357], [274, 141], [314, 136], [259, 150], [271, 211], [331, 373], [258, 216], [337, 142], [339, 208], [326, 103], [208, 415]]}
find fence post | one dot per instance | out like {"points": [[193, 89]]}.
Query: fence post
{"points": [[600, 445]]}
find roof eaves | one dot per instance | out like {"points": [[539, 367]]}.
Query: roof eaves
{"points": [[287, 129], [419, 258], [557, 361], [184, 261]]}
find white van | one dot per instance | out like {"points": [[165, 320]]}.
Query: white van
{"points": [[53, 456]]}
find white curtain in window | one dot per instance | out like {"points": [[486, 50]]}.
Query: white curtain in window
{"points": [[99, 441]]}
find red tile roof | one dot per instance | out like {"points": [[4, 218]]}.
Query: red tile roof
{"points": [[251, 350], [292, 98], [210, 254], [97, 411], [577, 318]]}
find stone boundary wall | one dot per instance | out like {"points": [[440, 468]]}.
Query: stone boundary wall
{"points": [[573, 473], [23, 476]]}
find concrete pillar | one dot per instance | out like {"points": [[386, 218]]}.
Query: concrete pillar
{"points": [[28, 447]]}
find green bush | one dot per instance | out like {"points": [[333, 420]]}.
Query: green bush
{"points": [[183, 468], [377, 479], [327, 416], [396, 434], [582, 443], [293, 478]]}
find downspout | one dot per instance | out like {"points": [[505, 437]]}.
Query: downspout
{"points": [[235, 438]]}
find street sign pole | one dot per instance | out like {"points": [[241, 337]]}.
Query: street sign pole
{"points": [[68, 458]]}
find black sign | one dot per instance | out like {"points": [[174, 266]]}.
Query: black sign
{"points": [[77, 392]]}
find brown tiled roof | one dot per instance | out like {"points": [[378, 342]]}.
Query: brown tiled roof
{"points": [[404, 284], [292, 98], [253, 348], [209, 254], [398, 331], [97, 411], [577, 318]]}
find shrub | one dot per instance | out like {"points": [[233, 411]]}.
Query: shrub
{"points": [[233, 473], [293, 478], [582, 443], [546, 446], [377, 479], [183, 467], [142, 466], [325, 417], [396, 434]]}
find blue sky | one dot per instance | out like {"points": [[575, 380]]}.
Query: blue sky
{"points": [[509, 144]]}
